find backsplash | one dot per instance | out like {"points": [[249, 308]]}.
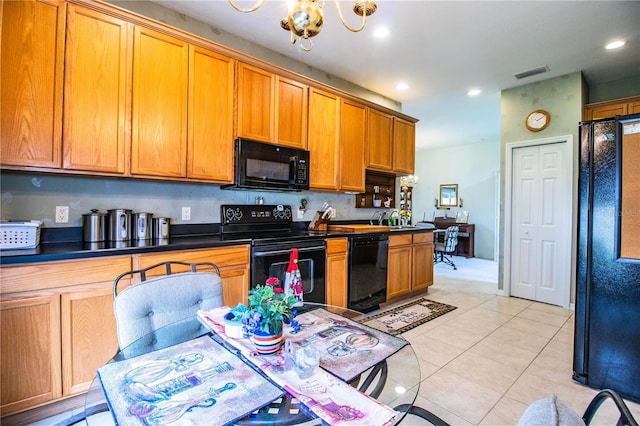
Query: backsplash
{"points": [[35, 197]]}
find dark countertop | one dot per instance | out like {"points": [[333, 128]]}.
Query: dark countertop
{"points": [[66, 243]]}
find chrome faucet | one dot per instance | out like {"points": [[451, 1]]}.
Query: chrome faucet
{"points": [[377, 216]]}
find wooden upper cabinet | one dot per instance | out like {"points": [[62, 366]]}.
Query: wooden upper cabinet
{"points": [[255, 103], [404, 145], [31, 73], [353, 133], [380, 146], [291, 112], [323, 139], [159, 122], [210, 129], [97, 92], [609, 109]]}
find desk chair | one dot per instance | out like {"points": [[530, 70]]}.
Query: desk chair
{"points": [[152, 303], [552, 411], [446, 247]]}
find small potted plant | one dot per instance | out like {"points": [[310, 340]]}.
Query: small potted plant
{"points": [[267, 309]]}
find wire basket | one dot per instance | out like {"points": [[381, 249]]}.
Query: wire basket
{"points": [[19, 234]]}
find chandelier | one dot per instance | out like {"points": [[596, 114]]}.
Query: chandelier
{"points": [[305, 18]]}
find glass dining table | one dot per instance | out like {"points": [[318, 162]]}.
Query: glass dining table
{"points": [[393, 381]]}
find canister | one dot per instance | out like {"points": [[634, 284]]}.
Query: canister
{"points": [[119, 228], [142, 223], [161, 228], [94, 226]]}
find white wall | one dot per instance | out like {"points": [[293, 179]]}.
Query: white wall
{"points": [[473, 167]]}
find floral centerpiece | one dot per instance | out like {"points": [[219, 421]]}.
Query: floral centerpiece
{"points": [[267, 309]]}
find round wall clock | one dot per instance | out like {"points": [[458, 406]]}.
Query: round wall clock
{"points": [[537, 120]]}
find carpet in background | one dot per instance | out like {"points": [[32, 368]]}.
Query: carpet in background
{"points": [[405, 317]]}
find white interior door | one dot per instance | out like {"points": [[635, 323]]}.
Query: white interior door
{"points": [[541, 235]]}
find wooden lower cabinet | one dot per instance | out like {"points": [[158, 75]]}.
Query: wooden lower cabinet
{"points": [[58, 324], [336, 272], [422, 255], [410, 267], [58, 327], [232, 261], [399, 266]]}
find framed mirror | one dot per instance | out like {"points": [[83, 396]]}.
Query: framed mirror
{"points": [[449, 195]]}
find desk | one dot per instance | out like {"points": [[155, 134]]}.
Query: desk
{"points": [[394, 382], [466, 233]]}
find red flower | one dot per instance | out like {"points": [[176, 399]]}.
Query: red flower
{"points": [[271, 281], [278, 290]]}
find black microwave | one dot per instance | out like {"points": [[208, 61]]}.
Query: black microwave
{"points": [[265, 166]]}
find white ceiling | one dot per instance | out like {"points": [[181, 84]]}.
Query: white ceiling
{"points": [[444, 48]]}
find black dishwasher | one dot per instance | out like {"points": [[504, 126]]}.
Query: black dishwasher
{"points": [[367, 272]]}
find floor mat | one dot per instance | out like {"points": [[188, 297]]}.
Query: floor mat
{"points": [[406, 317]]}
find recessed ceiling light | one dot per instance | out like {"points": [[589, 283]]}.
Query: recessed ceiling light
{"points": [[474, 92], [381, 32], [615, 44], [402, 86]]}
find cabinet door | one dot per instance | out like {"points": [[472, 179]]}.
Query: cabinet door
{"points": [[210, 135], [30, 350], [404, 142], [97, 90], [255, 103], [336, 272], [89, 336], [399, 271], [291, 113], [159, 123], [31, 68], [380, 137], [353, 133], [323, 139], [634, 108], [607, 111], [422, 261]]}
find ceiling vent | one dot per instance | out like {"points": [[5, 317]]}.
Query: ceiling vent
{"points": [[533, 71]]}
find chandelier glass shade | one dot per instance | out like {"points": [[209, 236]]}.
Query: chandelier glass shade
{"points": [[306, 17]]}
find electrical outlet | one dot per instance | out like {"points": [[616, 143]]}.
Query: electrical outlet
{"points": [[62, 214], [186, 213]]}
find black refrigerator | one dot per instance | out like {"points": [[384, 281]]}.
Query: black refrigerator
{"points": [[607, 303]]}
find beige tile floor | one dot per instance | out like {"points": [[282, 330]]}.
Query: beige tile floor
{"points": [[485, 362]]}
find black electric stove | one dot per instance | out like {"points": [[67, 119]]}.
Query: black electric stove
{"points": [[274, 235]]}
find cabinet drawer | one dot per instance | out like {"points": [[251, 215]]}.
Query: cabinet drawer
{"points": [[337, 245], [423, 237], [400, 240], [47, 275]]}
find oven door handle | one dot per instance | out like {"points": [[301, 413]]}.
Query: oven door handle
{"points": [[275, 252]]}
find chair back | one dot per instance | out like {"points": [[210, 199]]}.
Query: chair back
{"points": [[451, 239], [142, 308]]}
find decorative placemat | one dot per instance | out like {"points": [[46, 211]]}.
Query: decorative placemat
{"points": [[405, 317]]}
